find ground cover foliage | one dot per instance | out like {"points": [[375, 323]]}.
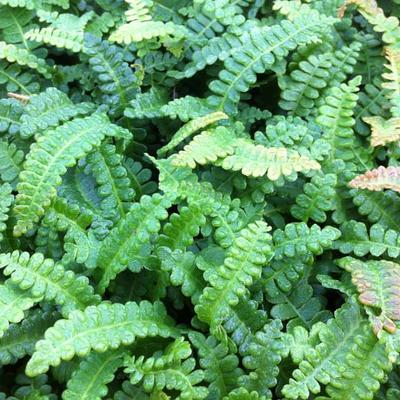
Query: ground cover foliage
{"points": [[199, 199]]}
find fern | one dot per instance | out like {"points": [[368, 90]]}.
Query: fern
{"points": [[20, 339], [47, 110], [378, 241], [267, 46], [90, 379], [340, 346], [172, 370], [47, 161], [114, 185], [221, 366], [117, 324], [6, 200], [43, 278], [377, 283], [13, 303], [378, 179], [128, 243], [240, 267]]}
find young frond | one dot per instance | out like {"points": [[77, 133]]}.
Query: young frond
{"points": [[378, 179]]}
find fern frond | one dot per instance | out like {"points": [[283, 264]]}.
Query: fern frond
{"points": [[264, 48], [191, 127], [186, 108], [262, 358], [298, 240], [378, 283], [242, 394], [379, 207], [256, 160], [128, 244], [99, 328], [117, 81], [206, 147], [182, 272], [23, 57], [65, 30], [89, 381], [11, 159], [10, 114], [13, 303], [14, 79], [6, 200], [336, 117], [140, 26], [74, 221], [44, 278], [378, 179], [378, 241], [179, 231], [48, 160], [147, 105], [173, 370], [348, 359], [48, 110], [319, 197], [20, 339], [114, 185], [242, 264], [221, 367]]}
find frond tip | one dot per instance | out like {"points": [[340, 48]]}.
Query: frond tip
{"points": [[378, 179]]}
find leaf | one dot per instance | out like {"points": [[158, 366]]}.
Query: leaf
{"points": [[99, 328]]}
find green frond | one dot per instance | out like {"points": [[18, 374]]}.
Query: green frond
{"points": [[243, 262], [147, 105], [336, 119], [74, 221], [117, 82], [378, 283], [128, 244], [185, 108], [174, 369], [318, 198], [205, 148], [298, 240], [182, 272], [43, 278], [48, 110], [378, 179], [242, 394], [339, 361], [378, 207], [191, 127], [10, 113], [181, 229], [99, 328], [221, 367], [140, 177], [16, 80], [113, 183], [300, 307], [65, 30], [11, 159], [20, 339], [377, 240], [265, 47], [89, 381], [13, 303], [282, 275], [48, 160], [23, 57], [6, 200], [262, 358]]}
